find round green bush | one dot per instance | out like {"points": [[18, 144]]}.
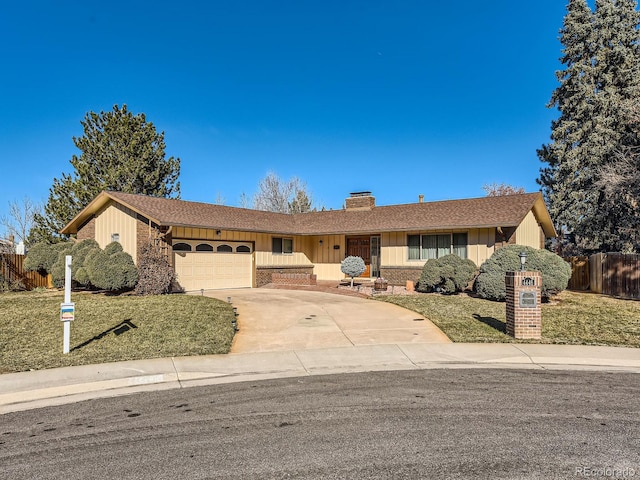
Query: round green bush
{"points": [[42, 256], [57, 270], [448, 274], [490, 283], [127, 270], [79, 252], [111, 272], [82, 277], [37, 257], [113, 247]]}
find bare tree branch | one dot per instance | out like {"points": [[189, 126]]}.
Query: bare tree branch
{"points": [[276, 195], [20, 220], [500, 189]]}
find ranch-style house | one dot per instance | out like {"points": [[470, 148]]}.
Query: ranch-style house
{"points": [[215, 246]]}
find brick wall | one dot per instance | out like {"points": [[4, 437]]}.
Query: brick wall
{"points": [[146, 233], [264, 274], [400, 275], [522, 321], [360, 203], [293, 278], [88, 230]]}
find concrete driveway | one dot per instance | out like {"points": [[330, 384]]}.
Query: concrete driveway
{"points": [[277, 320]]}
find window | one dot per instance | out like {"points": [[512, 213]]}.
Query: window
{"points": [[204, 247], [281, 245], [460, 244], [224, 249], [182, 247], [425, 247], [115, 237], [243, 249]]}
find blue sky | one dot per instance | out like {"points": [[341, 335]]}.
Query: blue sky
{"points": [[400, 98]]}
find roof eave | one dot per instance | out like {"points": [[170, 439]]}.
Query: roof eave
{"points": [[544, 218], [409, 229], [94, 206]]}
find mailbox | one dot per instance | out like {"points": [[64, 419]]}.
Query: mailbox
{"points": [[528, 299]]}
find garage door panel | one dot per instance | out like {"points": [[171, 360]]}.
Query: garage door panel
{"points": [[198, 270]]}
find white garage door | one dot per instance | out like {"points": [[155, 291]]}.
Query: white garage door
{"points": [[197, 270]]}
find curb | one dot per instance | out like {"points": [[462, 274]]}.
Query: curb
{"points": [[58, 386]]}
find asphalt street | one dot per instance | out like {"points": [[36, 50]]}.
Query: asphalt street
{"points": [[453, 423]]}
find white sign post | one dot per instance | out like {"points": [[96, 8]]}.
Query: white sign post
{"points": [[67, 309]]}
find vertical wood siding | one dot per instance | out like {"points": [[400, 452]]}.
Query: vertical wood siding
{"points": [[528, 232], [114, 218]]}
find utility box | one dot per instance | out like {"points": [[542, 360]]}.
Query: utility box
{"points": [[524, 315]]}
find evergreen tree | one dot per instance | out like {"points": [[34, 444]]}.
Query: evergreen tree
{"points": [[120, 151], [617, 60], [571, 129], [601, 61]]}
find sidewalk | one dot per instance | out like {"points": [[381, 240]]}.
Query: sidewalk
{"points": [[23, 391]]}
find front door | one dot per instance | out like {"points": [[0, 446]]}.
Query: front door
{"points": [[361, 247], [375, 256]]}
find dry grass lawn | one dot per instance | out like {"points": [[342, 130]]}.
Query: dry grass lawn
{"points": [[570, 318], [109, 328]]}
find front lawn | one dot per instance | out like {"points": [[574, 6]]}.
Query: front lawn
{"points": [[571, 318], [109, 328]]}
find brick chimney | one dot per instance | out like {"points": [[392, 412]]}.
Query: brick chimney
{"points": [[360, 201]]}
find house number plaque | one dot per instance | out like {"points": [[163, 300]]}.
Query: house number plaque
{"points": [[528, 299], [528, 282]]}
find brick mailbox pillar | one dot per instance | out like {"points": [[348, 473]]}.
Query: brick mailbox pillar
{"points": [[524, 317]]}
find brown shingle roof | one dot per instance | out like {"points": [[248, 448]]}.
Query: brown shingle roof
{"points": [[165, 211], [505, 211], [485, 212]]}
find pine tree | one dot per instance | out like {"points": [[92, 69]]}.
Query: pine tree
{"points": [[601, 62], [571, 129], [120, 151], [617, 60]]}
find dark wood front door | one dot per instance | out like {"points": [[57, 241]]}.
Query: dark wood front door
{"points": [[360, 247]]}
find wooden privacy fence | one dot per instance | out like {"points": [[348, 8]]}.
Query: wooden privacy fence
{"points": [[614, 274], [12, 270], [580, 274]]}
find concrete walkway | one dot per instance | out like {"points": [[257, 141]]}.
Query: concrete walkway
{"points": [[285, 334]]}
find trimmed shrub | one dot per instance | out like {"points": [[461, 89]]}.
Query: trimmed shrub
{"points": [[448, 274], [79, 252], [58, 268], [82, 277], [111, 272], [353, 267], [155, 274], [113, 247], [490, 282], [127, 268], [42, 256]]}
